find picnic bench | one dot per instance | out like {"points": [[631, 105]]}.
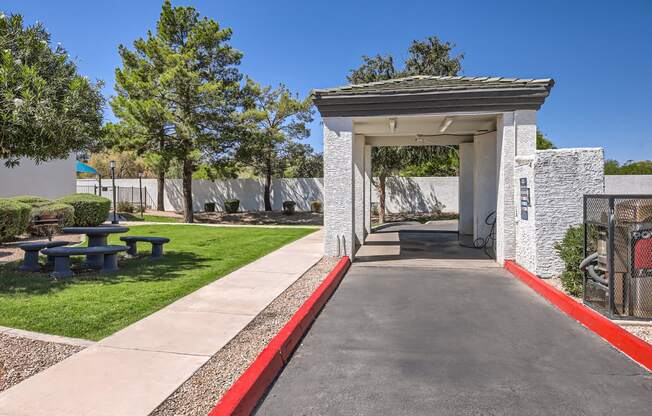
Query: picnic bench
{"points": [[97, 237], [157, 244], [62, 255], [47, 223], [30, 262]]}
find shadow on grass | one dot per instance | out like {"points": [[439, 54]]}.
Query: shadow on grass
{"points": [[139, 269]]}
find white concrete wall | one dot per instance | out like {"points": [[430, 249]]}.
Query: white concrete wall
{"points": [[424, 194], [526, 239], [505, 209], [49, 179], [484, 182], [628, 184], [561, 178]]}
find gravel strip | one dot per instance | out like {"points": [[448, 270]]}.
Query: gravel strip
{"points": [[21, 358], [201, 392], [642, 331]]}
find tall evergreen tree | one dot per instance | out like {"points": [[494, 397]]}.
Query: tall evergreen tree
{"points": [[194, 88]]}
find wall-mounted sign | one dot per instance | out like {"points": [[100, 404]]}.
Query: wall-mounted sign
{"points": [[525, 198]]}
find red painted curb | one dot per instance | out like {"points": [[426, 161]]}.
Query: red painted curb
{"points": [[244, 394], [629, 344]]}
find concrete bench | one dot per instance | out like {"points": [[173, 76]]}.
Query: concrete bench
{"points": [[30, 261], [62, 255], [157, 244]]}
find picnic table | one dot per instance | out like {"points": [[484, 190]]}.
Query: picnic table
{"points": [[97, 236]]}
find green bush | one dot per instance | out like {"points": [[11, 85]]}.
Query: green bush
{"points": [[288, 207], [316, 206], [90, 210], [14, 218], [65, 213], [209, 207], [31, 199], [571, 251], [126, 206], [231, 206]]}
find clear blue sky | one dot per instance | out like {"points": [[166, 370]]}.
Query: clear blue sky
{"points": [[598, 52]]}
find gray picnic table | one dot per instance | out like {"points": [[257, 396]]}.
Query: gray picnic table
{"points": [[97, 236]]}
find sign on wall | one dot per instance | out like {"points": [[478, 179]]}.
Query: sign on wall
{"points": [[525, 198]]}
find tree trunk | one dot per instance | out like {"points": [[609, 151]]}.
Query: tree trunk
{"points": [[268, 187], [160, 193], [187, 192], [381, 199]]}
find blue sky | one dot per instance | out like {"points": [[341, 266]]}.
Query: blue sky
{"points": [[598, 52]]}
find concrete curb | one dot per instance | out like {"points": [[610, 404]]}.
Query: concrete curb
{"points": [[244, 394], [626, 342]]}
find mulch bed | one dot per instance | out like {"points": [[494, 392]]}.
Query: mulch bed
{"points": [[261, 218], [201, 392], [421, 217]]}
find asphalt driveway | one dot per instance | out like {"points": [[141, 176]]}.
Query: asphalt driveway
{"points": [[452, 341]]}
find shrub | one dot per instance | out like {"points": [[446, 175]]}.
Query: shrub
{"points": [[126, 206], [316, 206], [571, 251], [14, 218], [90, 210], [231, 206], [65, 213], [209, 207], [32, 200], [288, 207]]}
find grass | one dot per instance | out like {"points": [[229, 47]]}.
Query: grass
{"points": [[92, 306], [149, 218]]}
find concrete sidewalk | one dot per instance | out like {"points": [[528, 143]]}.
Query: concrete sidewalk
{"points": [[132, 371]]}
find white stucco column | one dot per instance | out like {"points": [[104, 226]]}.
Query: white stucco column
{"points": [[484, 182], [467, 160], [525, 122], [358, 188], [339, 234], [505, 207], [367, 189]]}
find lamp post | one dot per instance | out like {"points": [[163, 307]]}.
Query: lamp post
{"points": [[140, 195], [115, 214]]}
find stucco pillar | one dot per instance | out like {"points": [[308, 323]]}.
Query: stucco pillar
{"points": [[467, 160], [339, 234], [367, 190], [525, 122], [358, 188], [484, 183], [505, 207]]}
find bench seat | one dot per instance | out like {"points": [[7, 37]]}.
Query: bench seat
{"points": [[62, 255], [157, 244], [30, 261]]}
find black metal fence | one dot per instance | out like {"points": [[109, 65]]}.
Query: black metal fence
{"points": [[618, 255], [137, 196]]}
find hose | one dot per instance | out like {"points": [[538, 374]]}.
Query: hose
{"points": [[588, 266]]}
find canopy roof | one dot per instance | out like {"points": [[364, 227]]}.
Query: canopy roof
{"points": [[84, 168], [423, 94]]}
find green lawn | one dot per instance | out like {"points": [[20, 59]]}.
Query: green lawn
{"points": [[93, 306]]}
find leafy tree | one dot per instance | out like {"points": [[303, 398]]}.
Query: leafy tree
{"points": [[641, 167], [274, 120], [127, 164], [428, 57], [198, 88], [302, 162], [47, 110], [442, 161], [543, 143]]}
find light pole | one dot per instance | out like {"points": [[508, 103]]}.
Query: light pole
{"points": [[115, 215], [140, 195]]}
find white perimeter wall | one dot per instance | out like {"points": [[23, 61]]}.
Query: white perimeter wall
{"points": [[403, 194], [419, 194], [50, 179]]}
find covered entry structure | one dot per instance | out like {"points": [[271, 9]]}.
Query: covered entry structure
{"points": [[536, 194]]}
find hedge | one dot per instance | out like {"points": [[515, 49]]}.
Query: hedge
{"points": [[90, 210], [14, 218], [64, 212], [31, 199], [231, 206]]}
